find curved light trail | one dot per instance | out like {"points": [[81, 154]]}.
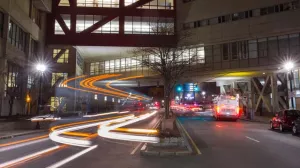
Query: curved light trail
{"points": [[55, 135], [105, 130], [122, 79], [88, 86]]}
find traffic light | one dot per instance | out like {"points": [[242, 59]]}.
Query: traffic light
{"points": [[179, 88]]}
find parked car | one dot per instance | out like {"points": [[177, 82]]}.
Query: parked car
{"points": [[296, 126], [284, 120]]}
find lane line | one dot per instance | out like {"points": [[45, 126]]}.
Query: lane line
{"points": [[25, 140], [11, 147], [70, 158], [139, 145], [192, 141], [28, 157], [252, 139], [136, 148]]}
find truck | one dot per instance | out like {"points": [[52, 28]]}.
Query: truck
{"points": [[226, 107]]}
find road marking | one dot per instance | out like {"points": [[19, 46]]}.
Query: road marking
{"points": [[192, 141], [6, 148], [252, 139], [136, 148], [25, 140], [139, 145], [70, 158], [25, 158]]}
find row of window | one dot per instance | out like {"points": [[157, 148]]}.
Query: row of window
{"points": [[285, 46], [1, 23], [243, 15], [132, 25], [275, 48], [155, 4], [196, 55], [17, 36]]}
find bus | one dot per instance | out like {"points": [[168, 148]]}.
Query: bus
{"points": [[226, 107]]}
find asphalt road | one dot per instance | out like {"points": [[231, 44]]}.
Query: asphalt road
{"points": [[223, 144]]}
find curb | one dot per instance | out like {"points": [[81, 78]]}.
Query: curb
{"points": [[21, 134]]}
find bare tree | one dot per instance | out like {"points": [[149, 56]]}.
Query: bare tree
{"points": [[170, 61]]}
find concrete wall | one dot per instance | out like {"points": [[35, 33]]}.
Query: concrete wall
{"points": [[254, 27]]}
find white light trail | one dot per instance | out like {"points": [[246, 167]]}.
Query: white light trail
{"points": [[22, 144], [54, 136], [69, 159], [104, 131], [15, 161]]}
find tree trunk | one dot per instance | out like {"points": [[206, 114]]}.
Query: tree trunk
{"points": [[167, 97]]}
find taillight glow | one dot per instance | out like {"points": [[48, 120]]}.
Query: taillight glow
{"points": [[237, 110], [218, 109]]}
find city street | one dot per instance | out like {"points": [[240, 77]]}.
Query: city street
{"points": [[222, 144]]}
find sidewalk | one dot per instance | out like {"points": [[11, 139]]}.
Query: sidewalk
{"points": [[261, 119], [16, 133]]}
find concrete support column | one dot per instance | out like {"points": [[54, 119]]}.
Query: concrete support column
{"points": [[3, 61], [274, 88]]}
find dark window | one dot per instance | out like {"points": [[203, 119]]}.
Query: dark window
{"points": [[234, 51], [262, 47], [277, 8], [1, 23], [225, 51], [263, 11], [271, 9], [203, 22], [250, 13], [17, 37], [36, 16], [292, 113]]}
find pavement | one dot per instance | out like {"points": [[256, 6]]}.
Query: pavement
{"points": [[225, 144]]}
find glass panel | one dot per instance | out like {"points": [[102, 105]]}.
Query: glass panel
{"points": [[252, 45]]}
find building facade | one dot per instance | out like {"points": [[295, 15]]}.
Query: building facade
{"points": [[94, 37], [22, 41]]}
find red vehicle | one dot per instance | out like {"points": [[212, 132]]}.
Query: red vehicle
{"points": [[284, 120]]}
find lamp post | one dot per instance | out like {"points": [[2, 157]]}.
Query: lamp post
{"points": [[289, 67], [40, 68]]}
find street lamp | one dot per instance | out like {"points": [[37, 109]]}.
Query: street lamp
{"points": [[40, 68], [289, 67], [203, 93]]}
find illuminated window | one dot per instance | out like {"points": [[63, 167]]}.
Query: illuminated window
{"points": [[17, 37], [155, 4], [64, 3], [56, 76], [85, 21], [29, 82], [98, 3], [149, 25], [55, 102], [64, 58]]}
